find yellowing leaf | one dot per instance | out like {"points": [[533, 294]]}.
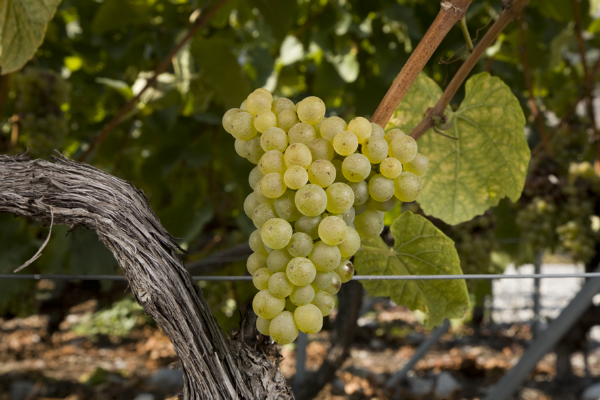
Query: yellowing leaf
{"points": [[419, 249]]}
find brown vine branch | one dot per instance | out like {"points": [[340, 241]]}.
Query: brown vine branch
{"points": [[512, 11], [162, 67], [535, 111], [451, 11]]}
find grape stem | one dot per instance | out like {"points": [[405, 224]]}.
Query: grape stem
{"points": [[451, 11], [510, 12]]}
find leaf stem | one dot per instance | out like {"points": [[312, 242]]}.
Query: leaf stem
{"points": [[451, 11], [509, 13], [465, 31]]}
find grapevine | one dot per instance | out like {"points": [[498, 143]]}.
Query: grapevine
{"points": [[319, 185]]}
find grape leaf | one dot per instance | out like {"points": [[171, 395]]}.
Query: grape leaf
{"points": [[23, 25], [419, 249], [488, 161]]}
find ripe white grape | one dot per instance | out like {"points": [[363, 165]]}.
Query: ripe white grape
{"points": [[298, 154], [345, 271], [311, 200], [240, 148], [250, 203], [390, 168], [332, 230], [361, 127], [287, 118], [375, 149], [340, 197], [407, 187], [278, 260], [242, 126], [322, 173], [384, 206], [321, 149], [227, 118], [272, 161], [257, 245], [308, 318], [339, 176], [295, 177], [274, 139], [301, 244], [280, 285], [302, 133], [351, 243], [253, 150], [345, 143], [267, 306], [259, 101], [262, 325], [332, 126], [243, 106], [260, 196], [418, 166], [377, 131], [381, 188], [255, 176], [276, 233], [322, 280], [324, 301], [283, 328], [281, 104], [403, 148], [302, 295], [255, 262], [285, 206], [301, 271], [265, 120], [325, 257], [356, 167], [369, 223], [272, 185], [393, 134], [260, 278], [334, 285], [361, 192], [311, 110], [348, 216], [262, 213], [309, 225]]}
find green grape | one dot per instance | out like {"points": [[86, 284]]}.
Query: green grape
{"points": [[261, 197], [390, 168], [276, 233], [308, 318], [255, 176], [375, 149], [243, 106], [384, 206], [301, 271], [418, 166], [403, 148], [356, 167], [331, 126], [257, 245], [345, 271], [322, 173], [283, 328], [361, 127], [381, 188], [345, 143], [262, 213], [227, 117], [302, 133], [290, 306], [361, 192], [265, 120], [250, 203], [287, 118], [255, 262], [300, 245], [281, 104], [369, 223], [339, 198], [240, 148], [334, 285], [298, 154], [280, 285], [260, 278], [393, 134], [272, 161], [309, 225], [267, 306], [285, 206], [278, 260], [348, 216], [325, 257], [253, 150], [242, 126], [295, 177], [311, 110], [377, 131], [259, 101], [407, 187], [311, 200], [324, 301], [302, 295], [332, 230], [272, 185], [339, 176], [321, 149], [360, 209], [274, 139], [351, 243], [322, 280], [262, 325]]}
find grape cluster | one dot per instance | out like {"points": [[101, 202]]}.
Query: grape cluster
{"points": [[320, 185], [41, 94]]}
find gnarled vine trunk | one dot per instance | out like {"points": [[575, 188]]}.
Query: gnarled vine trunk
{"points": [[78, 194]]}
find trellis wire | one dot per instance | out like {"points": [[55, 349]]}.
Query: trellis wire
{"points": [[355, 278]]}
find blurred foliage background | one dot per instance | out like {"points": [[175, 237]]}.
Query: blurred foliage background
{"points": [[99, 54]]}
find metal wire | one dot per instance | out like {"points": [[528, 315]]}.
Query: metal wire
{"points": [[355, 278]]}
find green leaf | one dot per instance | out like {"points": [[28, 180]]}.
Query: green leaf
{"points": [[23, 25], [118, 14], [488, 161], [279, 15], [419, 249], [119, 86]]}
